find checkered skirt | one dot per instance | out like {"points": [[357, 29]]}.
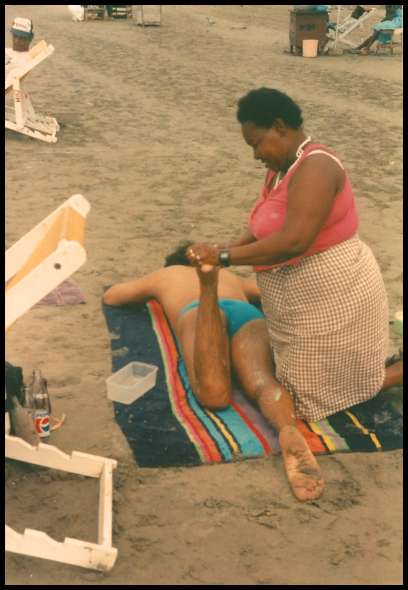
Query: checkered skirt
{"points": [[329, 327]]}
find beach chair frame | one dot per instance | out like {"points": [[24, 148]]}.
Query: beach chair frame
{"points": [[40, 261], [21, 117], [46, 256], [359, 22], [391, 43], [98, 556]]}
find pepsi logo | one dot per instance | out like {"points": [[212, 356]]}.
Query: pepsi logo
{"points": [[42, 424]]}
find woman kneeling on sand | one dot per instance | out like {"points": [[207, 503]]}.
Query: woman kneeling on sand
{"points": [[321, 288]]}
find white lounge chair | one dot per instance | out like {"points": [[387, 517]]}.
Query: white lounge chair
{"points": [[98, 556], [42, 259], [46, 256], [38, 263], [345, 27], [21, 117]]}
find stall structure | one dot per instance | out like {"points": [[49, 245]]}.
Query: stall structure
{"points": [[305, 25], [149, 14], [121, 11], [95, 12]]}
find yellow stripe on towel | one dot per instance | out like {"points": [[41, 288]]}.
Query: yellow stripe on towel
{"points": [[224, 431], [327, 439], [357, 423]]}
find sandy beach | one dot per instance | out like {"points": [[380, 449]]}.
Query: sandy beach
{"points": [[149, 136]]}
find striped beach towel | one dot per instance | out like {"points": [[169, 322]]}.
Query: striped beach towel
{"points": [[167, 427]]}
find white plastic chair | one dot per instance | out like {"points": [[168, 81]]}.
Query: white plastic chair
{"points": [[21, 117]]}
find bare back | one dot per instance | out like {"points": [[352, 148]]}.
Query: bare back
{"points": [[174, 287], [177, 286]]}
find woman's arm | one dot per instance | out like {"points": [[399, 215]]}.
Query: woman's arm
{"points": [[311, 193], [246, 238]]}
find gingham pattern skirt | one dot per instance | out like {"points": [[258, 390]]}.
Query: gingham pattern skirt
{"points": [[329, 328]]}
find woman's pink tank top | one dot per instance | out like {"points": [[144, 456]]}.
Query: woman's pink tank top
{"points": [[269, 212]]}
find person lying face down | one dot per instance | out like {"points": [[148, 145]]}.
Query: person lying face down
{"points": [[219, 331]]}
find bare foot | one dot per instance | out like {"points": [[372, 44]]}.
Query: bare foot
{"points": [[209, 268], [207, 273], [303, 472]]}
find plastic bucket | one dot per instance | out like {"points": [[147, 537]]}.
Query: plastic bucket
{"points": [[398, 323], [310, 47]]}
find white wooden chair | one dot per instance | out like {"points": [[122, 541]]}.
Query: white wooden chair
{"points": [[348, 25], [36, 264], [391, 43], [21, 117], [98, 556], [45, 257]]}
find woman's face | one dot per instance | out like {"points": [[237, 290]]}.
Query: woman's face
{"points": [[268, 145]]}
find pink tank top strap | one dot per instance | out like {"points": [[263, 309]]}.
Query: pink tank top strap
{"points": [[269, 212], [311, 149]]}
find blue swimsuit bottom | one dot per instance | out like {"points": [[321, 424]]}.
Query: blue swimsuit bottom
{"points": [[238, 313]]}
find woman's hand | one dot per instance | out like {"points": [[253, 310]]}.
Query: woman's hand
{"points": [[202, 254]]}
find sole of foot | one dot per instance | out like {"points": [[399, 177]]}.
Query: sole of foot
{"points": [[302, 469]]}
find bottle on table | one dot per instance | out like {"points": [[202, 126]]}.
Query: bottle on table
{"points": [[42, 406]]}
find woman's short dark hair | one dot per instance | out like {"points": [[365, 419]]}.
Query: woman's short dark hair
{"points": [[263, 105], [179, 256]]}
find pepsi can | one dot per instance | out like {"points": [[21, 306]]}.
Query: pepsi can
{"points": [[42, 406], [42, 422]]}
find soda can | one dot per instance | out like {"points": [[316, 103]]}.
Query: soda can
{"points": [[42, 422]]}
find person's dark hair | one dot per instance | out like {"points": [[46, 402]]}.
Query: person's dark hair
{"points": [[263, 105], [179, 257], [358, 11]]}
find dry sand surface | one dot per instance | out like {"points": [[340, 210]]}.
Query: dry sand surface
{"points": [[149, 136]]}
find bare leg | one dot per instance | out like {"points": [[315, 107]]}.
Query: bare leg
{"points": [[205, 344], [393, 376], [373, 38], [253, 363], [362, 45], [368, 42]]}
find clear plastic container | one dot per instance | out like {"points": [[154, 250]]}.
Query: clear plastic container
{"points": [[131, 382]]}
